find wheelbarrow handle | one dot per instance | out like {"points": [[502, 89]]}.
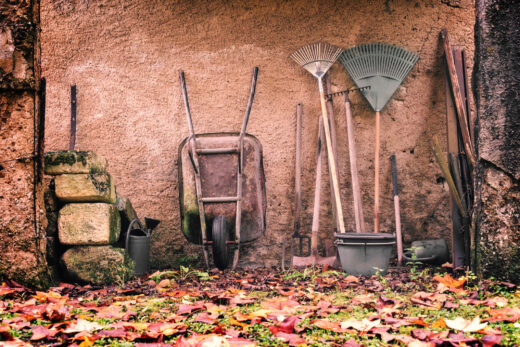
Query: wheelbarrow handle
{"points": [[250, 102], [186, 102], [134, 221]]}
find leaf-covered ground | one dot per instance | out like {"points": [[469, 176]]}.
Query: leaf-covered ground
{"points": [[267, 307]]}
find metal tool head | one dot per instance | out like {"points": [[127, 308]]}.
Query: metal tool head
{"points": [[381, 66], [317, 58]]}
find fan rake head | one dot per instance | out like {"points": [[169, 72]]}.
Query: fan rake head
{"points": [[381, 66], [317, 58]]}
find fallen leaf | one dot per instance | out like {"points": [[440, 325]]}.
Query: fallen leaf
{"points": [[465, 325]]}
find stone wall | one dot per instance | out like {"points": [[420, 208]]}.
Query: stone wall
{"points": [[124, 57], [23, 246], [497, 83]]}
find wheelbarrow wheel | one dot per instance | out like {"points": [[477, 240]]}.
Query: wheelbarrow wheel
{"points": [[220, 236]]}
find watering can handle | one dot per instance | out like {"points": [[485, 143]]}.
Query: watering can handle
{"points": [[136, 220], [407, 257]]}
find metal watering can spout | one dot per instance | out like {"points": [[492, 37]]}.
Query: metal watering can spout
{"points": [[151, 224]]}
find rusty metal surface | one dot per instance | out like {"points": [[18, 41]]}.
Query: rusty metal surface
{"points": [[219, 178]]}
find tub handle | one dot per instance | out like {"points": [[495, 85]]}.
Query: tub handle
{"points": [[338, 242], [407, 257]]}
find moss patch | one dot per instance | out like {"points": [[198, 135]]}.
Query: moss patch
{"points": [[99, 265]]}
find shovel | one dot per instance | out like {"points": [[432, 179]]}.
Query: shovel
{"points": [[314, 258]]}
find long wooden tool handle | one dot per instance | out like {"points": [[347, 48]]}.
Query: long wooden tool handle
{"points": [[73, 105], [298, 169], [457, 96], [332, 161], [332, 124], [317, 194], [398, 233], [356, 193], [376, 175]]}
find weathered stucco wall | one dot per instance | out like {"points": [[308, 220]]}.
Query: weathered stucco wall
{"points": [[124, 57], [498, 85], [22, 250]]}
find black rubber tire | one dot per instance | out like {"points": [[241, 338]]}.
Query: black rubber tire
{"points": [[220, 236]]}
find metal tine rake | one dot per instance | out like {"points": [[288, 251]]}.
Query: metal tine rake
{"points": [[317, 58]]}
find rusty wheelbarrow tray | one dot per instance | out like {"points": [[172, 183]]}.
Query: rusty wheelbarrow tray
{"points": [[221, 188]]}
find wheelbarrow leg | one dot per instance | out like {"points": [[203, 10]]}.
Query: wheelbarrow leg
{"points": [[196, 167], [238, 218]]}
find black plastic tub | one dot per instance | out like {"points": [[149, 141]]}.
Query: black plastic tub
{"points": [[364, 253]]}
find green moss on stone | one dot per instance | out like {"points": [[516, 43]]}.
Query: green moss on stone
{"points": [[99, 265], [66, 158]]}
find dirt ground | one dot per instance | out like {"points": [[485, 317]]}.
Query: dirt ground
{"points": [[124, 57]]}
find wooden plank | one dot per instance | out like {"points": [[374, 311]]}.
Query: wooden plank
{"points": [[457, 239], [457, 96]]}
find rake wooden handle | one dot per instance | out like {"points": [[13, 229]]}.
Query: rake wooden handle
{"points": [[356, 193], [332, 161], [298, 169], [317, 194], [330, 112], [376, 176]]}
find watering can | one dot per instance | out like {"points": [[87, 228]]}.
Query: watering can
{"points": [[428, 251], [138, 243]]}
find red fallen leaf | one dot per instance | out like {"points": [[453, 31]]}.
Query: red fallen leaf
{"points": [[328, 325], [212, 340], [421, 334], [429, 299], [491, 340], [180, 293], [56, 312], [286, 293], [451, 305], [507, 314], [187, 308], [4, 333], [383, 333], [239, 342], [461, 338], [291, 339], [82, 335], [286, 326], [110, 312], [41, 332], [410, 341], [118, 333], [204, 317], [6, 290], [351, 343]]}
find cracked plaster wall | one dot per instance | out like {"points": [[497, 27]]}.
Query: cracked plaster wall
{"points": [[124, 57]]}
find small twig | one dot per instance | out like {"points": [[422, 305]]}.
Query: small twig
{"points": [[19, 159]]}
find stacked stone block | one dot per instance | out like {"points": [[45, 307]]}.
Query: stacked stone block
{"points": [[89, 221]]}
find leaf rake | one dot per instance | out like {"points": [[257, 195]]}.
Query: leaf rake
{"points": [[317, 58], [383, 67]]}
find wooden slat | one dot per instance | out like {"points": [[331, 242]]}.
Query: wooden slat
{"points": [[457, 96]]}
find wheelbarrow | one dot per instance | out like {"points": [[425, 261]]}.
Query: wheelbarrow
{"points": [[221, 188]]}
